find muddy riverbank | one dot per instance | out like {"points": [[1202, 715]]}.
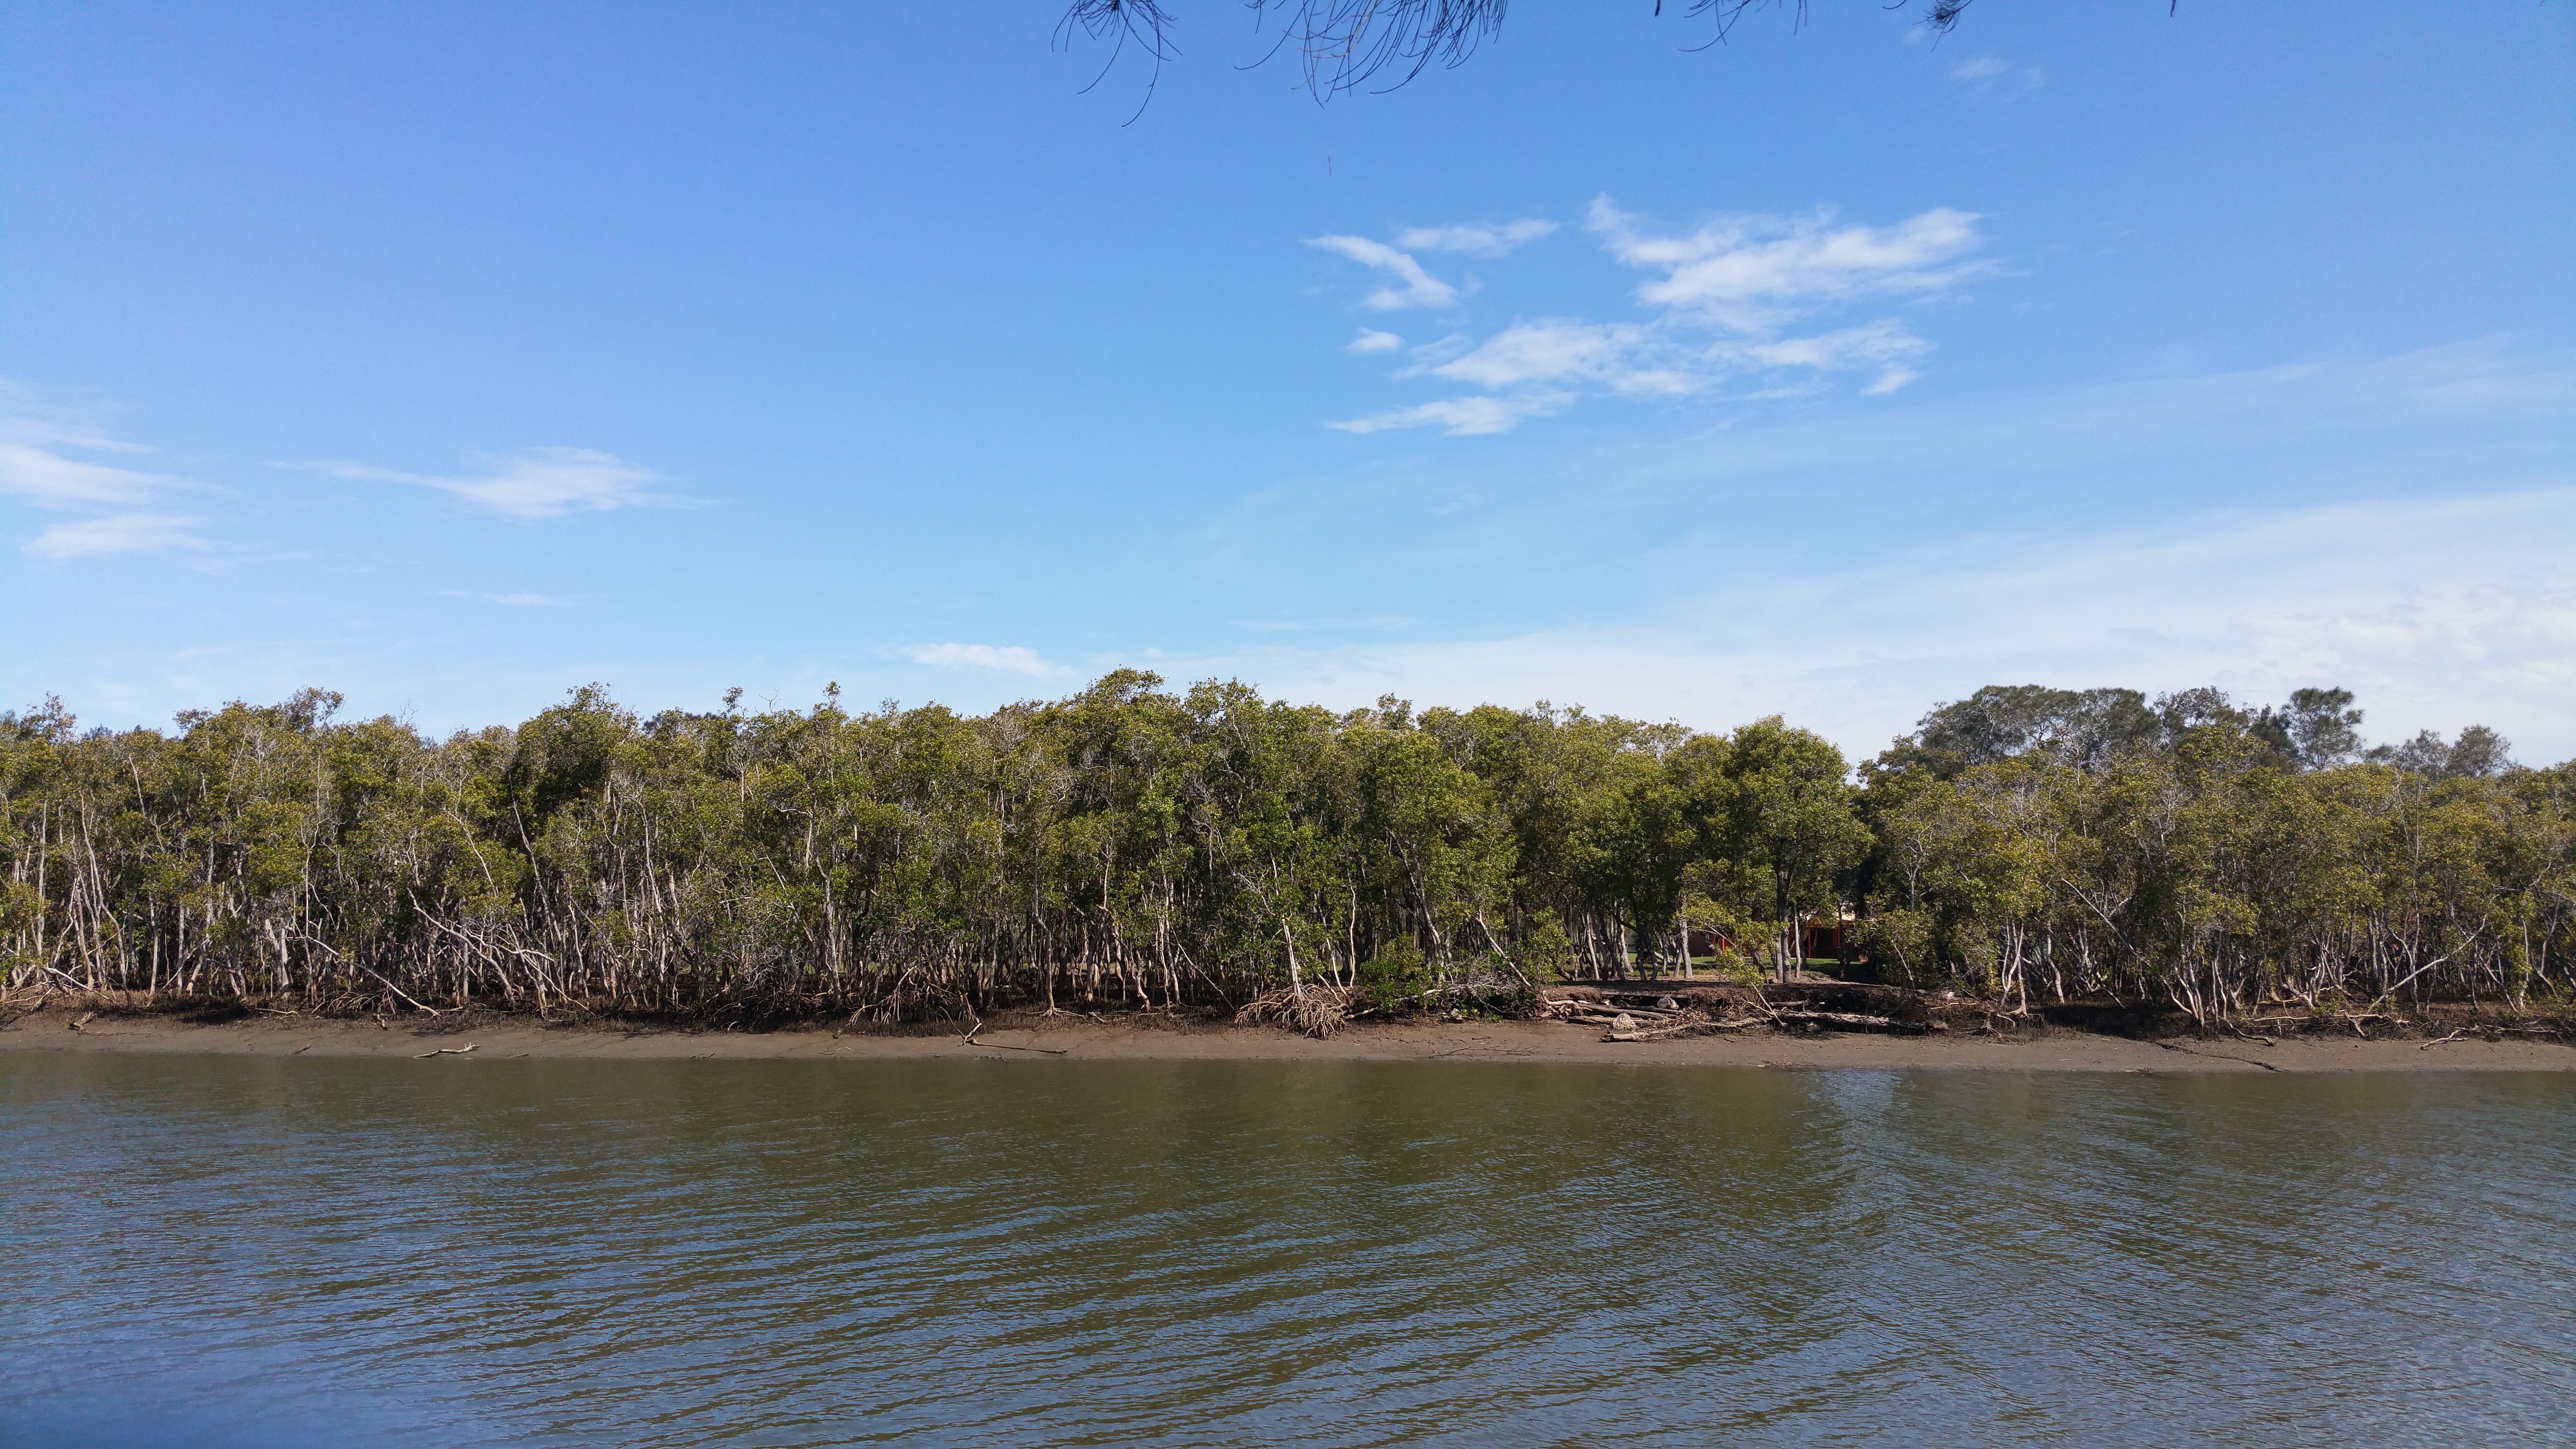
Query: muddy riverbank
{"points": [[69, 1026]]}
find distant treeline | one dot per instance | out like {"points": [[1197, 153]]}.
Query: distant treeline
{"points": [[1196, 849]]}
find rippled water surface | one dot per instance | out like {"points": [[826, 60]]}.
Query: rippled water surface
{"points": [[219, 1251]]}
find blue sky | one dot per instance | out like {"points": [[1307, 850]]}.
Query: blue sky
{"points": [[452, 355]]}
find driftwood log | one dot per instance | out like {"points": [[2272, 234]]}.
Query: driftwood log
{"points": [[1657, 1023], [1840, 1018]]}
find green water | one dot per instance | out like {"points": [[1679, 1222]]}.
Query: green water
{"points": [[219, 1251]]}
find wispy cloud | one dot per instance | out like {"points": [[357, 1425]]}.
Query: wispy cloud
{"points": [[1549, 351], [1372, 340], [536, 483], [1649, 360], [1994, 76], [116, 533], [51, 480], [1461, 417], [27, 416], [2401, 525], [520, 600], [35, 441], [1475, 241], [1756, 273], [1887, 346], [2439, 613], [1002, 658], [36, 435], [1722, 308], [1419, 289]]}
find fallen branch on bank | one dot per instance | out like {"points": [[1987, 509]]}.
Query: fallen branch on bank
{"points": [[1839, 1018], [445, 1052], [2220, 1056], [1604, 1018], [1573, 1010], [1008, 1047], [2391, 993], [1679, 1028], [1642, 1023]]}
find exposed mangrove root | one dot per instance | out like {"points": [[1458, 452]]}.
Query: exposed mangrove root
{"points": [[1316, 1011]]}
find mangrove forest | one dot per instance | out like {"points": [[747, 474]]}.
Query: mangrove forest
{"points": [[1137, 847]]}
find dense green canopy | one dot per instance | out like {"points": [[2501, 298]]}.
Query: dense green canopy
{"points": [[1196, 848]]}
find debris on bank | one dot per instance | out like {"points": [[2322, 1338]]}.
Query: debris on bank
{"points": [[1660, 1010]]}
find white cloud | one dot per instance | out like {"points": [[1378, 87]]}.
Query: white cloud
{"points": [[28, 417], [1753, 273], [116, 533], [1461, 417], [2437, 613], [1994, 76], [1642, 360], [1005, 658], [2297, 416], [1420, 289], [34, 438], [537, 483], [1443, 349], [1475, 241], [1548, 351], [54, 481], [1878, 342], [2154, 533], [1727, 294]]}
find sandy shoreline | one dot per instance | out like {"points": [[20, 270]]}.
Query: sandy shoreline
{"points": [[1081, 1039]]}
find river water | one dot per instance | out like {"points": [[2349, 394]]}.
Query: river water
{"points": [[215, 1252]]}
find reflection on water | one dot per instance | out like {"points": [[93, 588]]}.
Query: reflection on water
{"points": [[219, 1252]]}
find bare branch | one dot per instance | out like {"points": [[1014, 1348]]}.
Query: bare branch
{"points": [[1344, 45]]}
